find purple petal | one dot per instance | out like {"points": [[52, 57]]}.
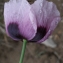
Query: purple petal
{"points": [[19, 20], [47, 16]]}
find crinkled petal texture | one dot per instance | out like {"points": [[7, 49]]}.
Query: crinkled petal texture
{"points": [[47, 17], [19, 20]]}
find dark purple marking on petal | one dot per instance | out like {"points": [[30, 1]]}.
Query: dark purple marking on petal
{"points": [[41, 32], [13, 31], [31, 1]]}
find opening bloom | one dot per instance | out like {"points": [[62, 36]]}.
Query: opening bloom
{"points": [[33, 22]]}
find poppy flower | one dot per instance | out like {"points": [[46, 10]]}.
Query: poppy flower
{"points": [[33, 22]]}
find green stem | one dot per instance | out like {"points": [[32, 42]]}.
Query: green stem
{"points": [[23, 51]]}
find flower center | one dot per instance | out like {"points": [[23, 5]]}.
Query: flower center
{"points": [[41, 32], [13, 31]]}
